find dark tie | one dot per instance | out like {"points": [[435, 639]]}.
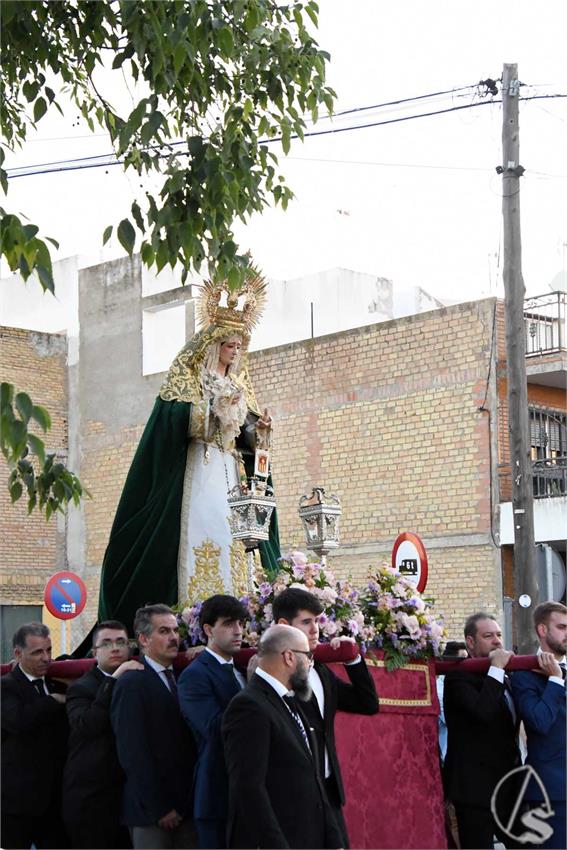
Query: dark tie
{"points": [[38, 685], [294, 711], [172, 683], [563, 669], [231, 669]]}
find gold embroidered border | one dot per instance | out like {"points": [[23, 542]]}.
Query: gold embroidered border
{"points": [[420, 668], [207, 579]]}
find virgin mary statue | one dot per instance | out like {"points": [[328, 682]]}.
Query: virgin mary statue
{"points": [[170, 541]]}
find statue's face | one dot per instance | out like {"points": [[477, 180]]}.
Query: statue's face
{"points": [[229, 351]]}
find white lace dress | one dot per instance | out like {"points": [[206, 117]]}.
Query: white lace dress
{"points": [[209, 561]]}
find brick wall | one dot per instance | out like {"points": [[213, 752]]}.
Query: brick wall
{"points": [[387, 417], [31, 548]]}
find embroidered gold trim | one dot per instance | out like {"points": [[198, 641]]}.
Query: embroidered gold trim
{"points": [[183, 380], [238, 568], [419, 668], [207, 579]]}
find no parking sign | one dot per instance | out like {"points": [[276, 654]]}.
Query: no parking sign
{"points": [[65, 595], [410, 558]]}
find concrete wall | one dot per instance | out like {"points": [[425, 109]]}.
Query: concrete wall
{"points": [[341, 299]]}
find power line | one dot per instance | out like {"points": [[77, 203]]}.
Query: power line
{"points": [[66, 164]]}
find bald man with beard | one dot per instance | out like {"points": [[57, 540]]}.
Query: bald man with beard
{"points": [[276, 795]]}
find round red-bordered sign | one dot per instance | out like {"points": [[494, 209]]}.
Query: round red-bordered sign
{"points": [[65, 595], [410, 558]]}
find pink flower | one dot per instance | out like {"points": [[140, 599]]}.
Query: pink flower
{"points": [[298, 558], [436, 631], [330, 628]]}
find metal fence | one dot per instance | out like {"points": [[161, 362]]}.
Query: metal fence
{"points": [[545, 323]]}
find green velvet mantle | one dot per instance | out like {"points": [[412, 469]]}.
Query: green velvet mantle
{"points": [[140, 563]]}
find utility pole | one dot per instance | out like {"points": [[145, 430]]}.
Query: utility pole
{"points": [[526, 588]]}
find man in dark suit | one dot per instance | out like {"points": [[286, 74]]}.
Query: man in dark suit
{"points": [[482, 736], [34, 745], [155, 747], [276, 795], [93, 779], [302, 609], [540, 701], [205, 689]]}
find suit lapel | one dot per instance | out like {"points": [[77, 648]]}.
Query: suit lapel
{"points": [[280, 707], [224, 676]]}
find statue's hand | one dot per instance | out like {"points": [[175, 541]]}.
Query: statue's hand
{"points": [[265, 420]]}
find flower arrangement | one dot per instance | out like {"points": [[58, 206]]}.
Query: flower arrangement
{"points": [[403, 621], [387, 613]]}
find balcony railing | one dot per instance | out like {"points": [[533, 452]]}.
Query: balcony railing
{"points": [[549, 479], [545, 322]]}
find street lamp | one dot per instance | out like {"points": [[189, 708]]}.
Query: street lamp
{"points": [[249, 520], [320, 516]]}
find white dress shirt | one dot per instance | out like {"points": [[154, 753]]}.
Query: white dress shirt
{"points": [[34, 679], [160, 670]]}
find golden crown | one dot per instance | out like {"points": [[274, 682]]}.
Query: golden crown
{"points": [[243, 307]]}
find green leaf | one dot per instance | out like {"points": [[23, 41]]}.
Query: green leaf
{"points": [[45, 278], [29, 231], [137, 213], [39, 109], [6, 395], [107, 234], [126, 235], [16, 491], [24, 406], [41, 416], [179, 56], [147, 254], [29, 89], [37, 447], [226, 42]]}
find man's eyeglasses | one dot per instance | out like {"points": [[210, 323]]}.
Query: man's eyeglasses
{"points": [[306, 652], [119, 643]]}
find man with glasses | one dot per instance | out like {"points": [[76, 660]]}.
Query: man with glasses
{"points": [[276, 794], [299, 608], [93, 780]]}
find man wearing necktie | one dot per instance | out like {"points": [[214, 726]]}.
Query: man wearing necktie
{"points": [[205, 689], [540, 700], [297, 607], [34, 745], [277, 797], [482, 733], [155, 747]]}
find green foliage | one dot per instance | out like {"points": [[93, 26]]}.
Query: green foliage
{"points": [[49, 485], [222, 76]]}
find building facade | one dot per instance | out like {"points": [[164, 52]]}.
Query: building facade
{"points": [[404, 419]]}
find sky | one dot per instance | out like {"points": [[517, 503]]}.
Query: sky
{"points": [[417, 201]]}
